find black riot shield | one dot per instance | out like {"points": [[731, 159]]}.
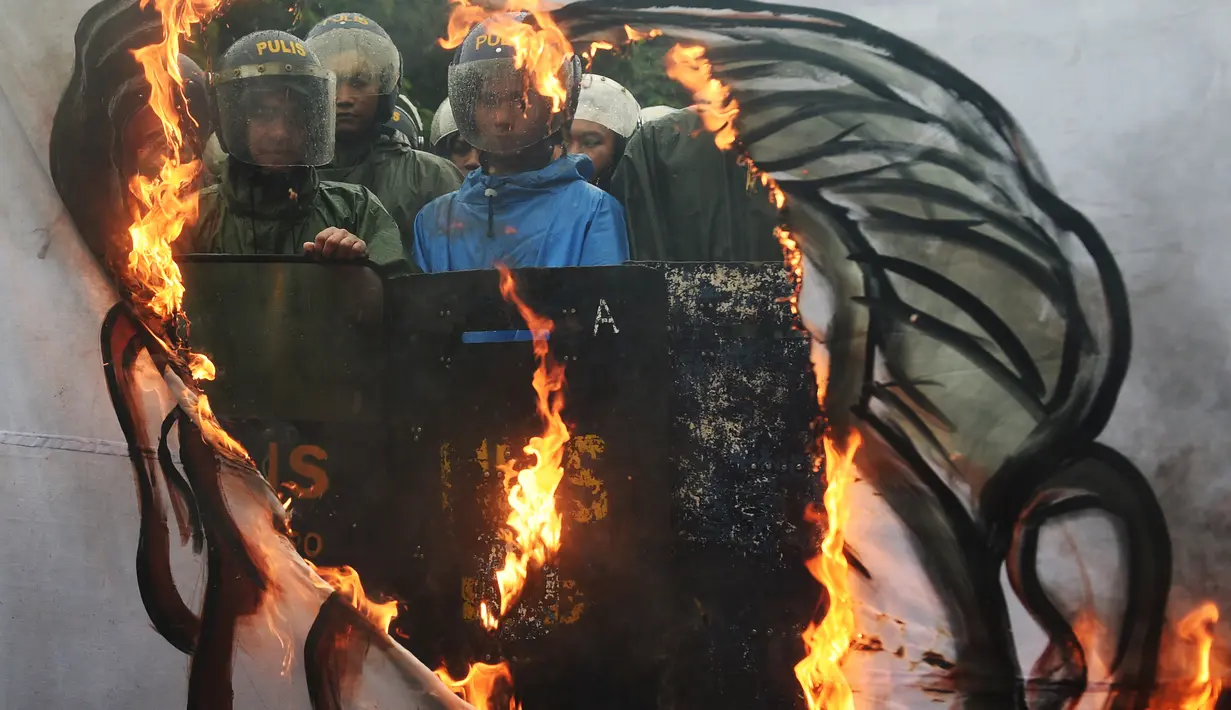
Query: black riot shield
{"points": [[300, 352], [680, 581], [462, 361]]}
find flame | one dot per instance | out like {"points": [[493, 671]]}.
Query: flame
{"points": [[794, 259], [1090, 634], [534, 524], [214, 433], [820, 673], [168, 201], [717, 109], [489, 620], [540, 47], [635, 35], [202, 367], [346, 580], [479, 686], [1201, 691]]}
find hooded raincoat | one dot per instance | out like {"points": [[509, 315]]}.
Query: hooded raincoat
{"points": [[279, 212], [403, 178], [686, 200], [552, 217]]}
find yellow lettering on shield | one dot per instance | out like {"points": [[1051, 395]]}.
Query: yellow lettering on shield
{"points": [[261, 47]]}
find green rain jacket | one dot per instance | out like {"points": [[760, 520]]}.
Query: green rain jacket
{"points": [[686, 200], [403, 178], [278, 213]]}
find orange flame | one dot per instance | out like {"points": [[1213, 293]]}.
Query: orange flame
{"points": [[168, 201], [794, 259], [820, 673], [346, 580], [541, 47], [479, 686], [534, 524], [202, 367], [214, 433], [1090, 634], [635, 35], [717, 109], [1202, 690]]}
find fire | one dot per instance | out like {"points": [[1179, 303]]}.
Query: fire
{"points": [[202, 367], [1201, 691], [479, 686], [820, 673], [635, 35], [346, 580], [534, 524], [717, 109], [794, 259], [1090, 633], [168, 201], [214, 433], [540, 47]]}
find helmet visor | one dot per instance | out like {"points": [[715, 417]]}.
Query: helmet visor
{"points": [[364, 62], [278, 120], [496, 109]]}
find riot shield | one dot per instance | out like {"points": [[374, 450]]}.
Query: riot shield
{"points": [[300, 352], [680, 580]]}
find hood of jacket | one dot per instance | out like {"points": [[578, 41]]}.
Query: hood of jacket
{"points": [[478, 188]]}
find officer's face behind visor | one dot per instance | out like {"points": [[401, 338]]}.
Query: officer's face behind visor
{"points": [[277, 132], [360, 87], [508, 115]]}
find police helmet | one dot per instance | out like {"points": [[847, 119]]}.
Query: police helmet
{"points": [[607, 103], [407, 121], [361, 53], [443, 126], [275, 102], [484, 77], [651, 113]]}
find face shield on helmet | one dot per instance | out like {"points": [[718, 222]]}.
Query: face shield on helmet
{"points": [[443, 126], [364, 61], [495, 105], [276, 115], [367, 66]]}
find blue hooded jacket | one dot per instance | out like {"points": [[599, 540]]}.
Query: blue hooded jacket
{"points": [[550, 217]]}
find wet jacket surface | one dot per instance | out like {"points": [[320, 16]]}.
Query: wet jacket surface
{"points": [[686, 200], [251, 213], [403, 178], [550, 217]]}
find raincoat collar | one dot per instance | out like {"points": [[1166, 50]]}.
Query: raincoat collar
{"points": [[479, 187], [249, 192]]}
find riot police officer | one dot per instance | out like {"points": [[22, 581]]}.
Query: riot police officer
{"points": [[274, 103], [407, 121], [607, 115], [446, 142], [368, 152], [525, 207]]}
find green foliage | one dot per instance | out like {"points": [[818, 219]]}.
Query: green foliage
{"points": [[639, 67], [415, 26]]}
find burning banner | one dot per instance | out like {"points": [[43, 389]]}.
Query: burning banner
{"points": [[972, 354]]}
